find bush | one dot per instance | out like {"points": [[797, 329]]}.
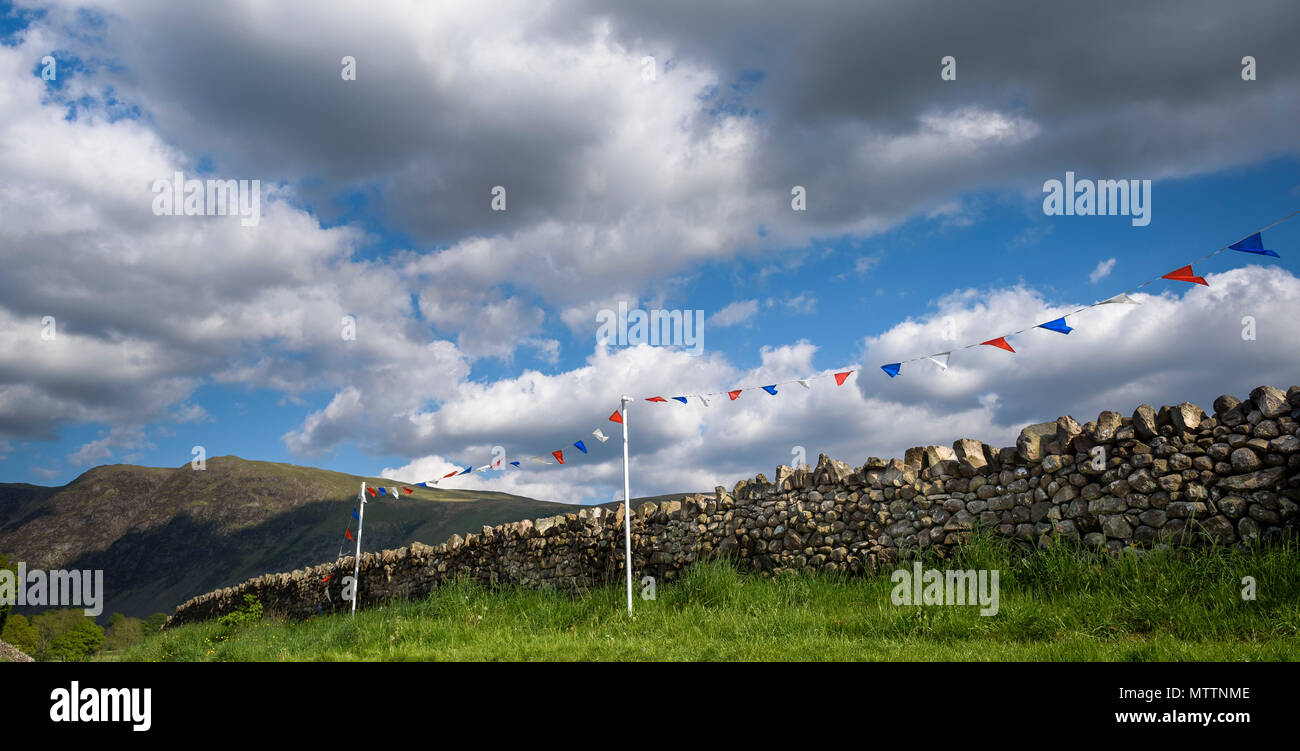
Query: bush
{"points": [[250, 612], [81, 643], [19, 632]]}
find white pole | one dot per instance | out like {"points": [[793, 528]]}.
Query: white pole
{"points": [[627, 509], [356, 564]]}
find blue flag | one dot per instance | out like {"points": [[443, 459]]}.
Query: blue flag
{"points": [[381, 492], [1253, 244], [354, 515], [581, 448], [892, 368], [770, 389], [681, 399], [1058, 326], [467, 471]]}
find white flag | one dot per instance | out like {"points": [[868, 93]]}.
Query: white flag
{"points": [[706, 401], [804, 382], [1120, 299], [599, 435], [941, 360]]}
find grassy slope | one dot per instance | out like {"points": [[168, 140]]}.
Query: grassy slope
{"points": [[1058, 605]]}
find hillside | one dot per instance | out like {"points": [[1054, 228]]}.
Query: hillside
{"points": [[164, 535]]}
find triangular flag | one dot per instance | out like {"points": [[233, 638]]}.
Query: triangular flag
{"points": [[804, 382], [681, 399], [599, 435], [656, 399], [354, 515], [1185, 274], [452, 473], [538, 459], [892, 368], [734, 394], [1057, 325], [1253, 244], [1000, 343], [393, 491], [770, 389], [514, 464], [467, 470], [483, 469], [581, 447], [408, 490], [941, 359], [1120, 299], [383, 492], [348, 534], [702, 399], [559, 455], [616, 417], [371, 491], [839, 377]]}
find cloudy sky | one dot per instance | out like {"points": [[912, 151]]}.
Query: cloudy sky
{"points": [[648, 155]]}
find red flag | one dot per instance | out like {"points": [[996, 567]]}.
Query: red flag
{"points": [[408, 490], [839, 377], [348, 534], [559, 455], [656, 399], [616, 417], [734, 394], [1185, 274], [371, 491], [452, 473], [1000, 343], [331, 576]]}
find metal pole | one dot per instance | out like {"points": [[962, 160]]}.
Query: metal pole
{"points": [[356, 564], [627, 509]]}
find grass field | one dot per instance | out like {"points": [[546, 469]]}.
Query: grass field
{"points": [[1062, 604]]}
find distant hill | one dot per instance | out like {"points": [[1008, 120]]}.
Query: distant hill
{"points": [[164, 535]]}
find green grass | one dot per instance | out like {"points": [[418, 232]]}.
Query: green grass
{"points": [[1061, 604]]}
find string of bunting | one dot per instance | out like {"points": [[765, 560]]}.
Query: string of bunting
{"points": [[1252, 243]]}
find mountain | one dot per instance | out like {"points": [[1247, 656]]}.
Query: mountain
{"points": [[164, 535]]}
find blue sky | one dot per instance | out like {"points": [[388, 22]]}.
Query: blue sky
{"points": [[477, 329]]}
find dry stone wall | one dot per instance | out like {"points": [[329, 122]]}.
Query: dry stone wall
{"points": [[1170, 476]]}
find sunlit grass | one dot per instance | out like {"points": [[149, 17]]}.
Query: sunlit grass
{"points": [[1059, 604]]}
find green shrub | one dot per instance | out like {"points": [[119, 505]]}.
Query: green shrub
{"points": [[81, 643], [19, 632]]}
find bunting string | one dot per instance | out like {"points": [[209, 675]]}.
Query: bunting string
{"points": [[1252, 243]]}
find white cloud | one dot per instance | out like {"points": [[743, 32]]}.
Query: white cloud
{"points": [[737, 312], [1102, 271]]}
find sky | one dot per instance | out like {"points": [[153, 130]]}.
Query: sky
{"points": [[649, 158]]}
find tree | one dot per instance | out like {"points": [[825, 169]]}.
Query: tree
{"points": [[154, 623], [20, 633], [81, 643], [5, 606], [123, 632]]}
